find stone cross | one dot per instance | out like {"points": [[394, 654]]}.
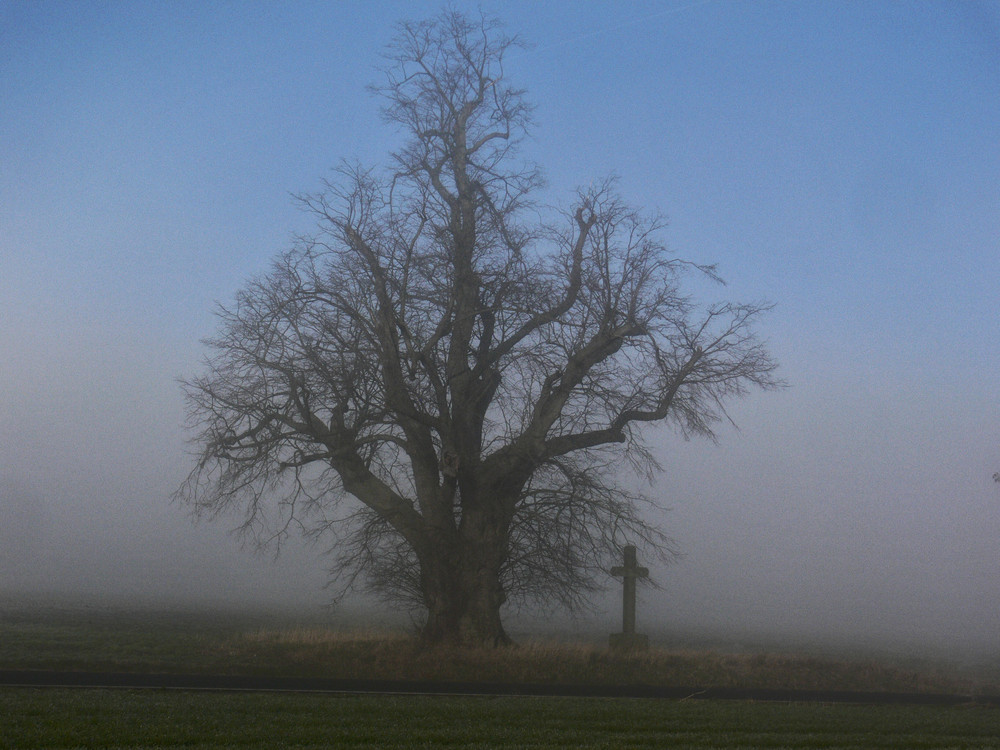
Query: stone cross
{"points": [[628, 638]]}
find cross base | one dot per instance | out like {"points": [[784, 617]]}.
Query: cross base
{"points": [[629, 642]]}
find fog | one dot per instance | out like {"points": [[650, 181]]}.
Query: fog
{"points": [[834, 161], [802, 525]]}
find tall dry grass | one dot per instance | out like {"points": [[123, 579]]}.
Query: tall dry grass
{"points": [[391, 655]]}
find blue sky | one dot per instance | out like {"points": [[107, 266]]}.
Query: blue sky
{"points": [[839, 159]]}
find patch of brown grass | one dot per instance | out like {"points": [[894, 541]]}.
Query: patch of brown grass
{"points": [[394, 656]]}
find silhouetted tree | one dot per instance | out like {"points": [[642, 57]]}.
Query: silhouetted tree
{"points": [[448, 387]]}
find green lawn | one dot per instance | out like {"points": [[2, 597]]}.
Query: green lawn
{"points": [[49, 718]]}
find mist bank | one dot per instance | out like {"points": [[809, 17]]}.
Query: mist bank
{"points": [[808, 525]]}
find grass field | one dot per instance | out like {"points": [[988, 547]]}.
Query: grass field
{"points": [[97, 638], [34, 718]]}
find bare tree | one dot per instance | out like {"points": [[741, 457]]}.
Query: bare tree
{"points": [[448, 387]]}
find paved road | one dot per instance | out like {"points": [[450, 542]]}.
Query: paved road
{"points": [[38, 678]]}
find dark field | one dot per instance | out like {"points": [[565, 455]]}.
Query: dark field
{"points": [[165, 719], [96, 638]]}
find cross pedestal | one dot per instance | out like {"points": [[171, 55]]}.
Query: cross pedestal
{"points": [[628, 638]]}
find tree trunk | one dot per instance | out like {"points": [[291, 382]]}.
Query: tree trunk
{"points": [[463, 595]]}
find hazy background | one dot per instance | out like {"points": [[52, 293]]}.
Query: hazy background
{"points": [[840, 159]]}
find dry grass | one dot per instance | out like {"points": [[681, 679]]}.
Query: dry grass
{"points": [[395, 656]]}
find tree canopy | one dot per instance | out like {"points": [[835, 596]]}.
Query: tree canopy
{"points": [[444, 381]]}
